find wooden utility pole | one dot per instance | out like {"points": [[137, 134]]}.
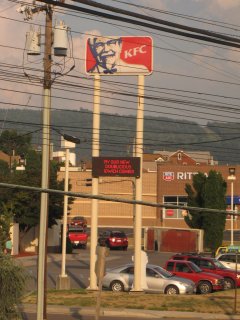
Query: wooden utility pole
{"points": [[43, 228]]}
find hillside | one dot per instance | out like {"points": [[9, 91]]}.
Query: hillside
{"points": [[117, 133]]}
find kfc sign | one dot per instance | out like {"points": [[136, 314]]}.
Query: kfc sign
{"points": [[119, 55]]}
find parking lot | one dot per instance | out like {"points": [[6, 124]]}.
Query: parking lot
{"points": [[77, 265]]}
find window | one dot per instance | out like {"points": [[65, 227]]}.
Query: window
{"points": [[196, 261], [129, 270], [182, 267], [230, 258], [170, 266], [206, 264], [174, 213], [179, 156], [151, 273]]}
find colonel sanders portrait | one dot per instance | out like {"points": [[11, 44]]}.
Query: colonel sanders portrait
{"points": [[106, 52]]}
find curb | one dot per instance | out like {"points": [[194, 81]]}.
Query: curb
{"points": [[140, 313]]}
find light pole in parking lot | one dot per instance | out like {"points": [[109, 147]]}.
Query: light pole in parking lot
{"points": [[67, 142], [231, 178]]}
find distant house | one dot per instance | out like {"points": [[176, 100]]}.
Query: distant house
{"points": [[179, 157], [9, 159]]}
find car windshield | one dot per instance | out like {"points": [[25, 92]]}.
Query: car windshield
{"points": [[164, 273], [77, 218], [75, 230], [218, 264], [118, 234]]}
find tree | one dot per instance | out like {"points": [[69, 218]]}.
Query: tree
{"points": [[12, 284], [25, 205], [11, 142], [207, 192], [6, 219]]}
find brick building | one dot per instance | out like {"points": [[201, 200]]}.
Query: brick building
{"points": [[164, 177], [113, 213], [171, 182]]}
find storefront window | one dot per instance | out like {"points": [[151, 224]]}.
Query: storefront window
{"points": [[174, 213]]}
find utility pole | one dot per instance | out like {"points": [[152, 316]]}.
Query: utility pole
{"points": [[43, 228], [60, 50]]}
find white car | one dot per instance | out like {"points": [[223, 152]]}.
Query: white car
{"points": [[158, 280], [229, 260]]}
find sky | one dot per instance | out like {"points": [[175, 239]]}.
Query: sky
{"points": [[191, 80]]}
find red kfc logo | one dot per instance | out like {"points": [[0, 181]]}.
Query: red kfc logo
{"points": [[119, 55]]}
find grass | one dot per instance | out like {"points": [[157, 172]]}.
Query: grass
{"points": [[218, 302]]}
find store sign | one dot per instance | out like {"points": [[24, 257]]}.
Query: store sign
{"points": [[116, 167], [180, 175], [111, 55], [169, 212], [236, 199], [168, 176]]}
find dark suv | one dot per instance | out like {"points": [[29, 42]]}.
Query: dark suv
{"points": [[113, 239], [211, 265]]}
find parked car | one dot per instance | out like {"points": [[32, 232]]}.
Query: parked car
{"points": [[78, 221], [158, 280], [78, 237], [212, 265], [224, 249], [113, 239], [205, 282], [229, 260]]}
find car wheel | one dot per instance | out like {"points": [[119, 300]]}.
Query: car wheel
{"points": [[228, 284], [125, 248], [117, 286], [204, 287], [171, 290]]}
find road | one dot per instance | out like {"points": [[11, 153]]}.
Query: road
{"points": [[77, 266]]}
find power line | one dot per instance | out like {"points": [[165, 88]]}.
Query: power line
{"points": [[208, 36]]}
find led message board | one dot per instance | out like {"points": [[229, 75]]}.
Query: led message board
{"points": [[116, 167]]}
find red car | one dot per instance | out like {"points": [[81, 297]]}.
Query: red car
{"points": [[78, 237], [205, 282], [211, 265], [113, 239], [79, 221]]}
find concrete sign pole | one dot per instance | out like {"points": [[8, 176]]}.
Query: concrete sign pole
{"points": [[94, 213], [138, 208]]}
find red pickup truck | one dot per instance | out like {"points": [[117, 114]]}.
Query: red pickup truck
{"points": [[205, 282], [78, 237]]}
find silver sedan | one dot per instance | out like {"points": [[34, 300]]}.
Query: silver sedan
{"points": [[157, 280]]}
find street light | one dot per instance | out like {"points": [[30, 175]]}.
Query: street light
{"points": [[63, 281], [231, 178]]}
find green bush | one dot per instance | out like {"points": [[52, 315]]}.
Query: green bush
{"points": [[12, 283]]}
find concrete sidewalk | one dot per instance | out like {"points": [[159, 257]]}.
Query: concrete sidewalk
{"points": [[140, 313]]}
